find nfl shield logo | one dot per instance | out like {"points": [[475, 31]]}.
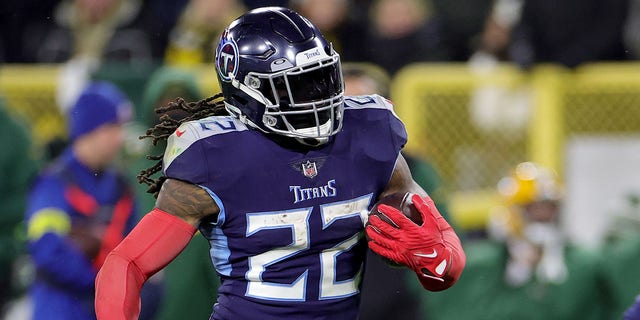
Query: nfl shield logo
{"points": [[309, 169]]}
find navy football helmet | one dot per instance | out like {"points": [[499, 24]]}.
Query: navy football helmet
{"points": [[279, 75]]}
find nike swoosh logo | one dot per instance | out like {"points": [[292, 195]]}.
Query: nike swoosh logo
{"points": [[432, 277], [434, 254], [179, 133]]}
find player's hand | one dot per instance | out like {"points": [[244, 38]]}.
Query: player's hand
{"points": [[419, 247]]}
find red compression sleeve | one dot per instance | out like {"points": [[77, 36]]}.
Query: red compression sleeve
{"points": [[155, 241]]}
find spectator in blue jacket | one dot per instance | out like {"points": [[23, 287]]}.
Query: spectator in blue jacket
{"points": [[80, 207]]}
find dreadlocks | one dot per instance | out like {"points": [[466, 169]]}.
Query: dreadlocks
{"points": [[211, 106]]}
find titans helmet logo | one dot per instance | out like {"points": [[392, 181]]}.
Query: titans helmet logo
{"points": [[227, 58]]}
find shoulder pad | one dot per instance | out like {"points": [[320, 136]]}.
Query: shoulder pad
{"points": [[190, 132], [374, 101]]}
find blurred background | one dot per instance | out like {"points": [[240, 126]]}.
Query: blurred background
{"points": [[481, 85]]}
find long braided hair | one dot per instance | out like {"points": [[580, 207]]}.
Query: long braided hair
{"points": [[211, 106]]}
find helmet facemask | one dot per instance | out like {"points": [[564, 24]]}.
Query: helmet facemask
{"points": [[303, 102]]}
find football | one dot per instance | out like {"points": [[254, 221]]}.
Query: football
{"points": [[400, 201]]}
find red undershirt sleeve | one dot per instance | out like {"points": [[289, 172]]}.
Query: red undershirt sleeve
{"points": [[155, 241]]}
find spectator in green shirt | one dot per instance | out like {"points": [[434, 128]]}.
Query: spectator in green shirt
{"points": [[17, 167]]}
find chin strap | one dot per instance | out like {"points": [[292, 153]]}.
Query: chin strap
{"points": [[235, 111]]}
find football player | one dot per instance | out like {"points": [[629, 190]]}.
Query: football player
{"points": [[279, 177]]}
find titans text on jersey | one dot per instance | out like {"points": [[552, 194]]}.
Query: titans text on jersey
{"points": [[302, 194]]}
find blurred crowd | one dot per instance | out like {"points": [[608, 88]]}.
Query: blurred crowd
{"points": [[389, 33], [521, 260], [525, 267]]}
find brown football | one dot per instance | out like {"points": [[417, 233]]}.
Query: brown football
{"points": [[400, 201]]}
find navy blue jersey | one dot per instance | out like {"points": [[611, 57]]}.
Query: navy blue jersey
{"points": [[289, 241]]}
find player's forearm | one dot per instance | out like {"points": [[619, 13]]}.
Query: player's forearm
{"points": [[118, 286], [153, 243]]}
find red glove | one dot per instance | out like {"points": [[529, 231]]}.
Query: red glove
{"points": [[430, 249]]}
